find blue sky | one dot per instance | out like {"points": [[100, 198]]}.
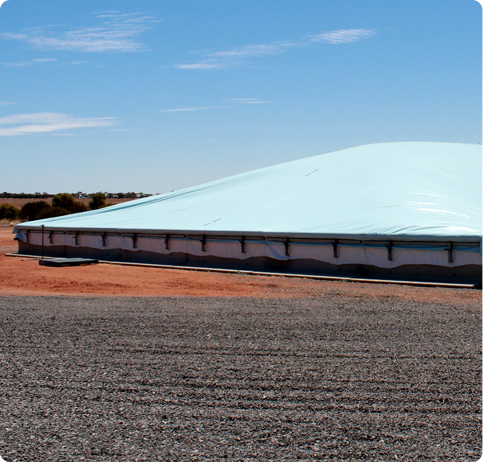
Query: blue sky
{"points": [[151, 96]]}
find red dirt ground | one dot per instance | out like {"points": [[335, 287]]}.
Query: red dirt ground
{"points": [[24, 276]]}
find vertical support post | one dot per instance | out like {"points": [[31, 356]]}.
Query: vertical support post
{"points": [[51, 237], [134, 241], [286, 243], [76, 238], [450, 252], [243, 244], [166, 242], [203, 243], [43, 228], [104, 237], [334, 246], [389, 251]]}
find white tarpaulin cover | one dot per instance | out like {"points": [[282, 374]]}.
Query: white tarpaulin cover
{"points": [[409, 190]]}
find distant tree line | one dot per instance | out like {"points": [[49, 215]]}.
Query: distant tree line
{"points": [[77, 195], [62, 204], [37, 195]]}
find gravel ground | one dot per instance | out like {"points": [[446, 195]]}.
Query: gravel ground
{"points": [[167, 379]]}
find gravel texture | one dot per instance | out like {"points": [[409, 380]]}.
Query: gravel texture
{"points": [[239, 379]]}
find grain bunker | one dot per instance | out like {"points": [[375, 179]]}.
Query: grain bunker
{"points": [[407, 210]]}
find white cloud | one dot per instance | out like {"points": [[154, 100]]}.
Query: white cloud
{"points": [[30, 63], [116, 33], [249, 101], [46, 122], [231, 103], [44, 60], [235, 56], [250, 51], [191, 109], [19, 64], [342, 36], [200, 66], [5, 103]]}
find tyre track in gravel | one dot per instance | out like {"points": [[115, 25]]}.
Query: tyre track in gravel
{"points": [[156, 379]]}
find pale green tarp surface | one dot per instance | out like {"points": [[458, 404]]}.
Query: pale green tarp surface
{"points": [[410, 190]]}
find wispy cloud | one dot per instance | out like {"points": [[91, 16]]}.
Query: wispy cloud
{"points": [[44, 60], [342, 36], [19, 64], [249, 101], [192, 109], [230, 104], [202, 65], [40, 62], [235, 56], [116, 32], [46, 122], [254, 51], [5, 103]]}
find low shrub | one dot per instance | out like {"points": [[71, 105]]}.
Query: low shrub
{"points": [[67, 201], [31, 210], [8, 212], [98, 201]]}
